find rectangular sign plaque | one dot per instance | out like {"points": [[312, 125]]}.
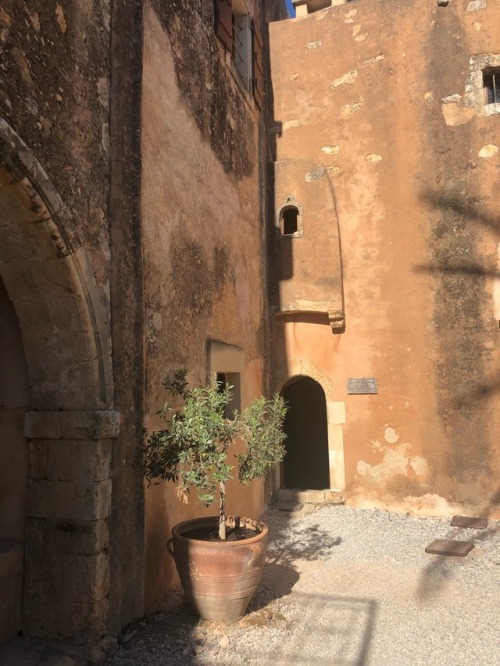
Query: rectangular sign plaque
{"points": [[362, 386]]}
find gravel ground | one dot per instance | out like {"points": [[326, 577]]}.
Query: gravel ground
{"points": [[347, 587]]}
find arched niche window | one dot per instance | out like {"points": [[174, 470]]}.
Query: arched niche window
{"points": [[290, 221]]}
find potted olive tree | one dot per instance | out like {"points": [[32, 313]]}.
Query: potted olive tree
{"points": [[219, 558]]}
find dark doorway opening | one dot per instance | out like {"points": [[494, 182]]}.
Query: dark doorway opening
{"points": [[14, 398], [290, 220], [306, 464]]}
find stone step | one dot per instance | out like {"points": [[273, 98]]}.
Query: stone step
{"points": [[309, 496], [11, 582]]}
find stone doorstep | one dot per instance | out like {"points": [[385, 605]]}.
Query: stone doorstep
{"points": [[309, 496], [296, 509], [302, 502]]}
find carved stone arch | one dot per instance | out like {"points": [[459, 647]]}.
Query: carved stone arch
{"points": [[61, 311], [64, 322]]}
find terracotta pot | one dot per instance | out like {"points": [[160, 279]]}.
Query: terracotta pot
{"points": [[219, 577]]}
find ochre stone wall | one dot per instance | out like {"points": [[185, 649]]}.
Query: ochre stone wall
{"points": [[386, 97]]}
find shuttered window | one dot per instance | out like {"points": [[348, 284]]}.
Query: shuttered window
{"points": [[224, 22], [258, 69], [238, 32]]}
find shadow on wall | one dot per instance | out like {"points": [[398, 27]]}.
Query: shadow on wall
{"points": [[465, 336], [465, 215]]}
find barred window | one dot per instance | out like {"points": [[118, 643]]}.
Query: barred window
{"points": [[491, 86]]}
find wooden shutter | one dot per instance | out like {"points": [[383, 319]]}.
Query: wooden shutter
{"points": [[258, 68], [224, 22]]}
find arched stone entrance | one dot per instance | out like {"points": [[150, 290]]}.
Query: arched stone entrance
{"points": [[14, 398], [64, 324], [306, 465]]}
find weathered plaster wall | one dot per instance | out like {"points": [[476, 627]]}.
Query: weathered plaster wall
{"points": [[54, 87], [384, 96], [202, 235]]}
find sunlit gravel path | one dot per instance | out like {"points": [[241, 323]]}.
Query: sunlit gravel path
{"points": [[350, 587]]}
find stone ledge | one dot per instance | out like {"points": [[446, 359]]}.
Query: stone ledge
{"points": [[98, 424]]}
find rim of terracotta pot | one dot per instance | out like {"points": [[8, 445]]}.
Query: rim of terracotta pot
{"points": [[187, 525]]}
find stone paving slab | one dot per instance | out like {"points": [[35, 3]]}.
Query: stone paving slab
{"points": [[450, 547], [469, 522]]}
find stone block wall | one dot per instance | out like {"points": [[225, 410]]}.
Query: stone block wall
{"points": [[67, 567]]}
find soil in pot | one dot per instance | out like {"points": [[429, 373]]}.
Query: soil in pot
{"points": [[212, 534]]}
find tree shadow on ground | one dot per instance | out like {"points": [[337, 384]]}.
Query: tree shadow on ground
{"points": [[284, 553], [309, 543]]}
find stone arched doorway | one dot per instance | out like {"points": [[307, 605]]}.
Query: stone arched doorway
{"points": [[306, 464], [68, 424], [14, 458]]}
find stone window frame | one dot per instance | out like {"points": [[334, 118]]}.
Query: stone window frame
{"points": [[226, 363], [307, 7], [288, 204], [474, 87]]}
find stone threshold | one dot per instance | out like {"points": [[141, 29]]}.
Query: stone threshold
{"points": [[301, 502], [309, 496]]}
